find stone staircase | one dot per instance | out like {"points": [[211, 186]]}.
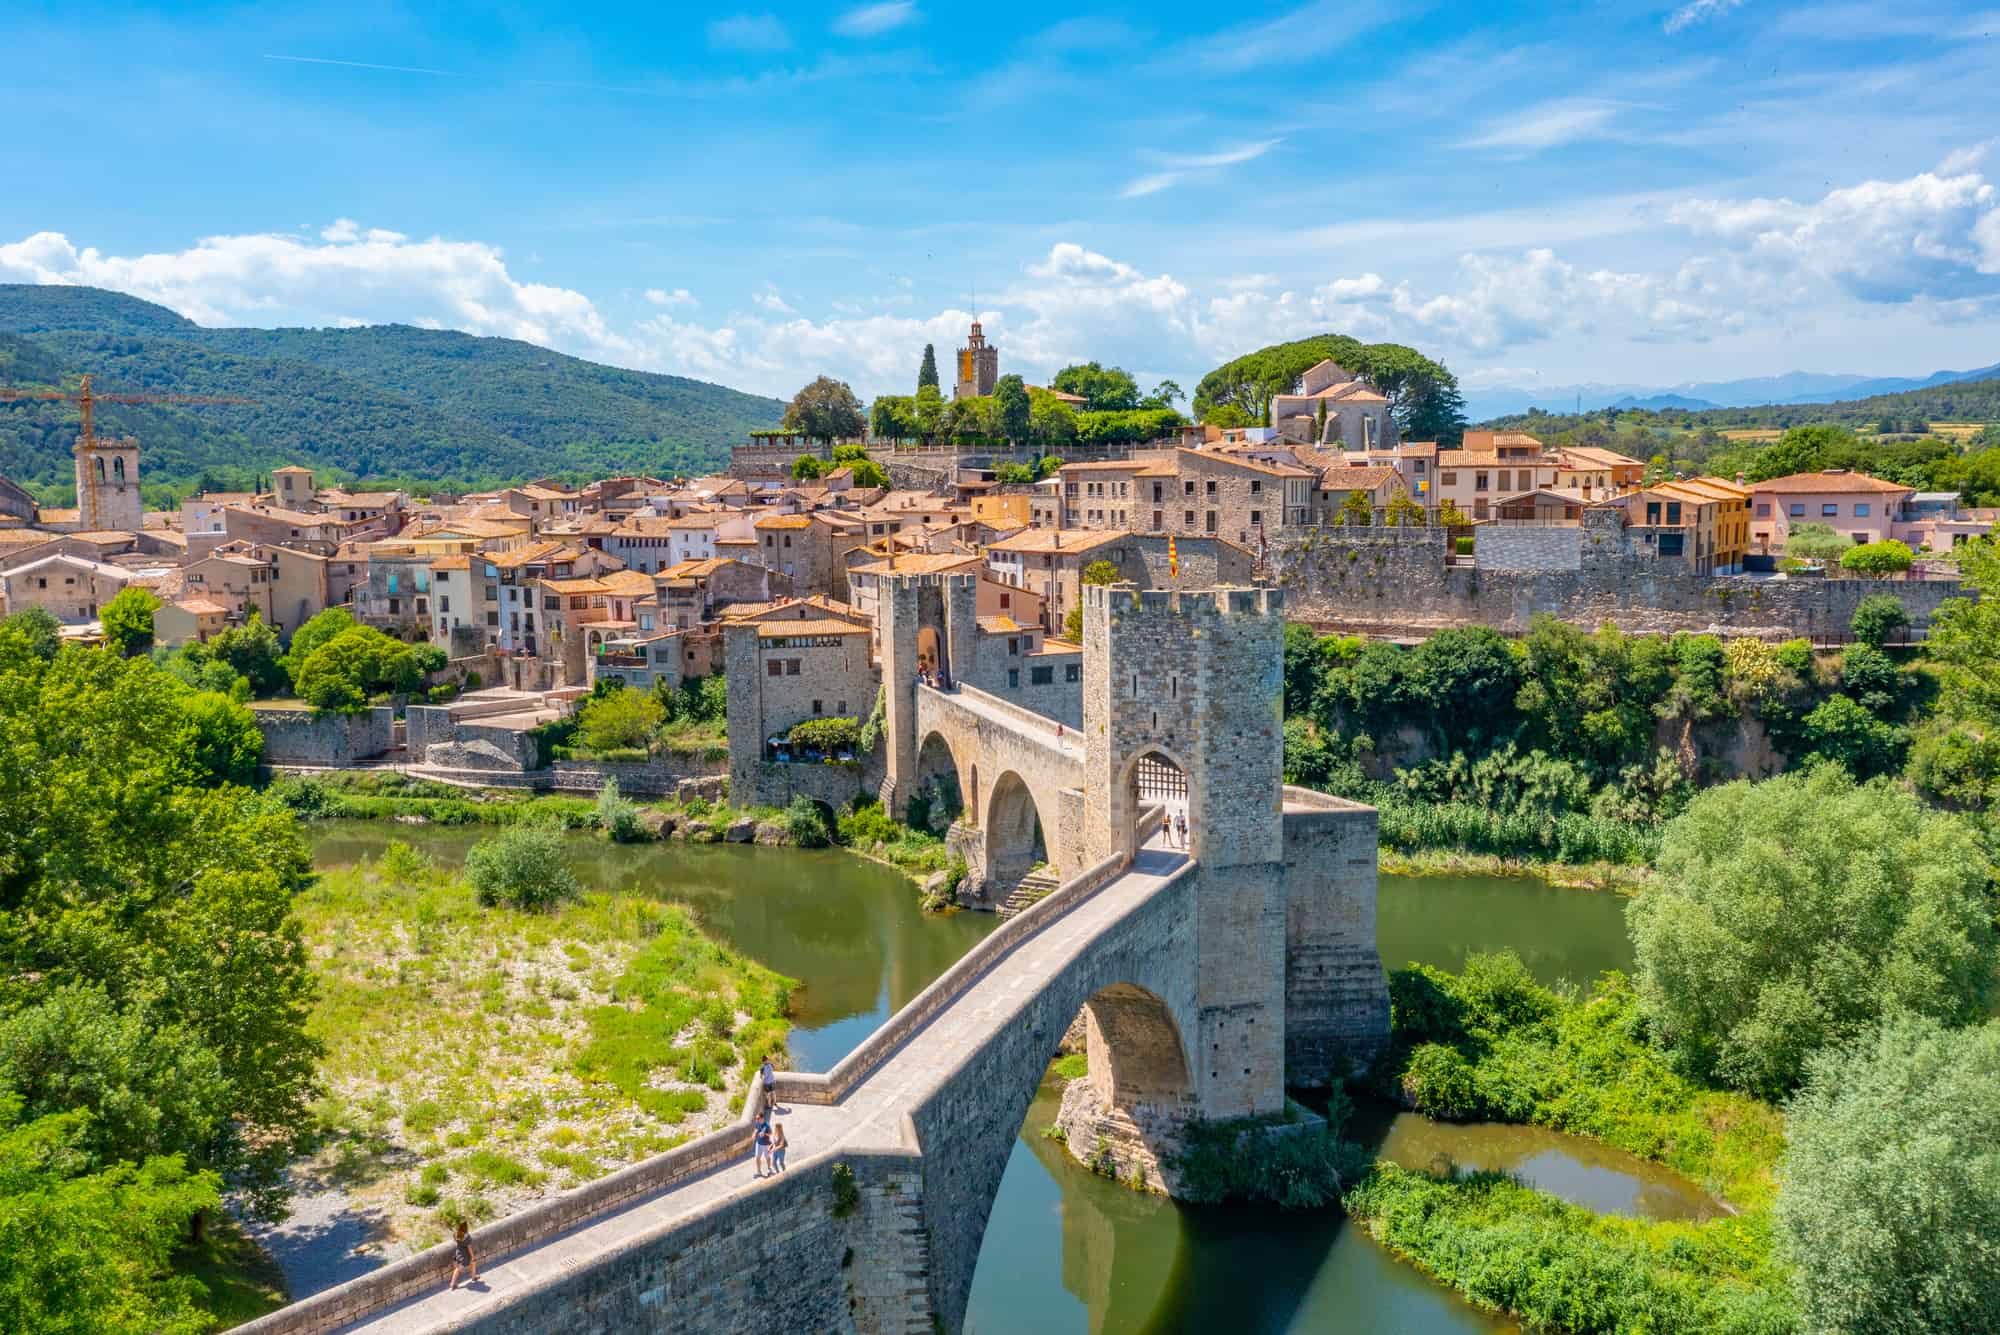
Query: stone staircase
{"points": [[1033, 888]]}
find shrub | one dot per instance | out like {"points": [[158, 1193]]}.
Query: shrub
{"points": [[1878, 618], [1877, 559], [1889, 1207], [227, 744], [808, 824], [846, 1195], [127, 620], [1255, 1162], [1795, 913], [401, 864], [828, 736], [618, 719], [1438, 1082], [522, 867], [618, 816]]}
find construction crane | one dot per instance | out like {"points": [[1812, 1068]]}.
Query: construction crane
{"points": [[86, 401]]}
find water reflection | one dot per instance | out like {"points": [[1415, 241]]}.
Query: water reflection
{"points": [[1572, 935]]}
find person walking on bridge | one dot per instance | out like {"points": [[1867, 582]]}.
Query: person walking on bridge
{"points": [[1180, 827], [777, 1147], [762, 1139], [462, 1257]]}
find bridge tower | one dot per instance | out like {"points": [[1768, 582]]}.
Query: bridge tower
{"points": [[1193, 680], [922, 621]]}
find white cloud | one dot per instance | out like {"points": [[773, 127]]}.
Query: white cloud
{"points": [[1929, 236], [767, 298], [1698, 11], [1184, 165], [873, 20], [680, 296], [748, 32], [341, 229], [1548, 125], [1310, 30]]}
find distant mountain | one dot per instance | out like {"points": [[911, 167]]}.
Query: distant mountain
{"points": [[1793, 387], [1660, 403], [378, 401]]}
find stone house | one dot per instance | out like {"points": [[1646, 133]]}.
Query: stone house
{"points": [[695, 592], [580, 615], [235, 577], [1855, 505], [1049, 563], [1375, 485], [301, 585], [395, 596], [1674, 523], [72, 588], [801, 670], [809, 550], [517, 574], [994, 598], [322, 533], [460, 617], [1335, 409], [188, 620]]}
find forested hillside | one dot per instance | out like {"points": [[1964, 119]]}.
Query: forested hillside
{"points": [[1909, 411], [390, 402]]}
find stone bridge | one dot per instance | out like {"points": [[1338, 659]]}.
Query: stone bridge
{"points": [[1208, 977]]}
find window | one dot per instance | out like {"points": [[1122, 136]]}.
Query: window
{"points": [[791, 667], [1763, 509], [1673, 512], [1652, 513], [1828, 509], [1256, 486], [1156, 493], [1013, 647], [1041, 676], [1479, 482], [444, 604], [1156, 519], [1189, 521], [816, 708], [1448, 478], [1187, 488], [1006, 600], [492, 618], [1256, 518], [1210, 524], [1072, 672], [1861, 509], [1417, 467], [1672, 544], [1211, 486], [1013, 679]]}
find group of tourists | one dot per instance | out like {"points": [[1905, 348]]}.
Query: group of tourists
{"points": [[934, 677], [769, 1134], [1175, 827]]}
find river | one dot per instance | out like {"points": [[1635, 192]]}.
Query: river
{"points": [[1068, 1251]]}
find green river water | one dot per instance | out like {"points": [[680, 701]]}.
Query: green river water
{"points": [[1068, 1251]]}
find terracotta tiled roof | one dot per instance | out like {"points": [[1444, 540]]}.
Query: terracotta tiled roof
{"points": [[1058, 540], [1841, 481], [771, 630], [917, 563], [201, 607], [785, 521]]}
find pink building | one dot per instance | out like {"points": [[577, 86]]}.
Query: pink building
{"points": [[1863, 508]]}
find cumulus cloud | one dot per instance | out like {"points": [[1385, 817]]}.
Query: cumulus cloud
{"points": [[680, 296], [1931, 236], [871, 20]]}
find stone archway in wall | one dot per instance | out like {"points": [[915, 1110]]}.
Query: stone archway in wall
{"points": [[930, 650], [1016, 838], [938, 782], [1125, 1116], [1155, 778]]}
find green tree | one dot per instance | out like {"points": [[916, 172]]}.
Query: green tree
{"points": [[1816, 542], [342, 674], [1051, 422], [522, 867], [1010, 392], [124, 874], [1228, 416], [1795, 913], [1889, 1203], [1097, 572], [251, 650], [1878, 618], [928, 412], [314, 633], [1803, 449], [1964, 639], [623, 719], [1014, 475], [36, 629], [1048, 466], [1404, 512], [86, 1248], [1845, 731], [825, 410], [128, 620], [927, 373], [1164, 395], [868, 473], [1877, 559], [227, 745], [1107, 389], [893, 418], [807, 467], [1356, 510]]}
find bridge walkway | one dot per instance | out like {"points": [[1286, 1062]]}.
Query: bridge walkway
{"points": [[869, 1118]]}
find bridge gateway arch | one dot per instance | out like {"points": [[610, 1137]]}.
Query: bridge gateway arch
{"points": [[1209, 978]]}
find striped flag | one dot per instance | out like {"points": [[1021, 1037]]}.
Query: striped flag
{"points": [[1173, 558]]}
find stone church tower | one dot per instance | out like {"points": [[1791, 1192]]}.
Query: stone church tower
{"points": [[107, 485], [978, 366]]}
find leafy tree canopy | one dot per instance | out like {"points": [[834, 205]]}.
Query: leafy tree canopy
{"points": [[128, 620], [1888, 557], [1107, 389], [1794, 914], [1890, 1199], [1422, 393], [826, 409], [927, 374]]}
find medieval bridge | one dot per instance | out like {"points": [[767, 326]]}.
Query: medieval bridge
{"points": [[1208, 978]]}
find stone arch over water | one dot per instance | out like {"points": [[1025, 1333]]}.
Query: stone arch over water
{"points": [[1016, 838]]}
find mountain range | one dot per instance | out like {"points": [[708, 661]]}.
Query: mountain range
{"points": [[385, 401], [1484, 404]]}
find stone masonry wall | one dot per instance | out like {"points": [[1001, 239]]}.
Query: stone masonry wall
{"points": [[1506, 548], [303, 737], [1394, 582], [1336, 996]]}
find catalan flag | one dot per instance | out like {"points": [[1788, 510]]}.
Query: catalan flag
{"points": [[1173, 558]]}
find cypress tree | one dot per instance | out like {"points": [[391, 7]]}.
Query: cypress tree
{"points": [[927, 375]]}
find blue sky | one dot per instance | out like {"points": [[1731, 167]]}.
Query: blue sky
{"points": [[1534, 193]]}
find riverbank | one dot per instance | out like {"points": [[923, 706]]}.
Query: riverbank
{"points": [[1614, 876], [1492, 1045], [478, 1058]]}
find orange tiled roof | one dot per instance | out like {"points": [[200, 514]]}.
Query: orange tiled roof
{"points": [[1840, 481]]}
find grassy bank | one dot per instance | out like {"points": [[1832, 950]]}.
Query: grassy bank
{"points": [[1491, 1044], [1613, 876], [480, 1057]]}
